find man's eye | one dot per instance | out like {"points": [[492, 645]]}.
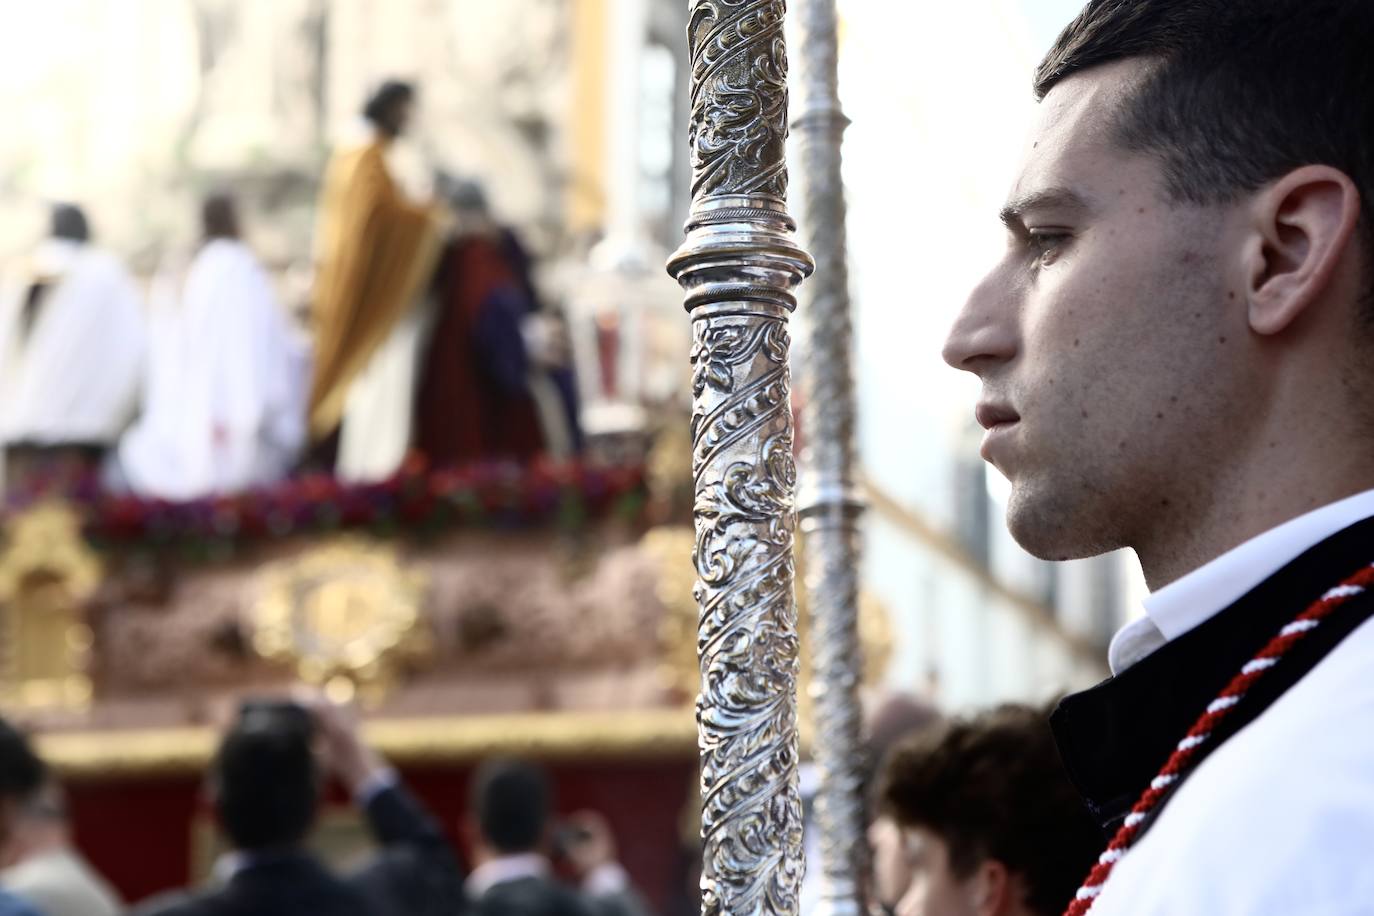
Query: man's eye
{"points": [[1045, 244]]}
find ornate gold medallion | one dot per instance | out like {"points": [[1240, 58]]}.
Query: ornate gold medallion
{"points": [[347, 616]]}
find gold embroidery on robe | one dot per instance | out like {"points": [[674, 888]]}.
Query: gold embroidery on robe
{"points": [[375, 250]]}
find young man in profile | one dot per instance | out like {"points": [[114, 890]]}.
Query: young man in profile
{"points": [[1177, 356], [989, 824]]}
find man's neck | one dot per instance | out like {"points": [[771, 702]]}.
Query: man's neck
{"points": [[482, 854], [1247, 502], [493, 868], [270, 853], [236, 861]]}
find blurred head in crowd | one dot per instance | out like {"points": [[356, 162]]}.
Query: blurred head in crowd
{"points": [[470, 197], [510, 806], [990, 824], [22, 777], [69, 223], [40, 825], [893, 718], [265, 779], [219, 217], [471, 208], [390, 107]]}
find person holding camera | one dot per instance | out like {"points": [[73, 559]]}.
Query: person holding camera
{"points": [[511, 838], [266, 781]]}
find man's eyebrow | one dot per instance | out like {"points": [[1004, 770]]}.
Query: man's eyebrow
{"points": [[1013, 214]]}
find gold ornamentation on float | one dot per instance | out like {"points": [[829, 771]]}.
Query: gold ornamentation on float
{"points": [[346, 615], [876, 637], [650, 734], [47, 575], [670, 548]]}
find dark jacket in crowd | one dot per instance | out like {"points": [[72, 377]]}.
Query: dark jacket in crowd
{"points": [[532, 897], [547, 897], [415, 874]]}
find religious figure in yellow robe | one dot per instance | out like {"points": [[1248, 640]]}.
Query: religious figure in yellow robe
{"points": [[376, 251]]}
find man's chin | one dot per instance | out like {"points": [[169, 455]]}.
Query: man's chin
{"points": [[1047, 534]]}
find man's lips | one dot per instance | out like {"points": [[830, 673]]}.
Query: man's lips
{"points": [[991, 416], [998, 420]]}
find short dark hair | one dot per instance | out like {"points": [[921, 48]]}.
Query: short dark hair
{"points": [[388, 95], [993, 787], [896, 717], [22, 772], [267, 785], [1240, 92], [511, 801], [69, 222], [219, 217]]}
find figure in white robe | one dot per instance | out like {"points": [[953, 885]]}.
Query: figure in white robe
{"points": [[72, 344], [224, 406]]}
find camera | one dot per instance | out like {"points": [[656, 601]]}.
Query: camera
{"points": [[568, 837]]}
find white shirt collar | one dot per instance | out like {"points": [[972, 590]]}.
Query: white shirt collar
{"points": [[231, 864], [1183, 604], [506, 868]]}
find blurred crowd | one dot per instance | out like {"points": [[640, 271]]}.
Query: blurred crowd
{"points": [[266, 786], [425, 336], [968, 816]]}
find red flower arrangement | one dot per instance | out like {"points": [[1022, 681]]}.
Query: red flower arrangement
{"points": [[417, 500]]}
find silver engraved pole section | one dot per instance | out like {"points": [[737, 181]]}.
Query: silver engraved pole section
{"points": [[739, 266], [830, 507]]}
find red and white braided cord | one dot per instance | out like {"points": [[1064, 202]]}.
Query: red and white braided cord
{"points": [[1182, 758]]}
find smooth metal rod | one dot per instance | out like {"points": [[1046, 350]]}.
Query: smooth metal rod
{"points": [[830, 505], [739, 266]]}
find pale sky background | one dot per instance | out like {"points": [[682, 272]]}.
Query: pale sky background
{"points": [[940, 98]]}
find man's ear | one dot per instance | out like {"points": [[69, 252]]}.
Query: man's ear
{"points": [[1301, 229], [989, 888]]}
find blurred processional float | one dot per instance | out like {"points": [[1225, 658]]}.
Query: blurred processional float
{"points": [[545, 611], [742, 268]]}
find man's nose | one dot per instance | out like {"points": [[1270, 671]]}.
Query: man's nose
{"points": [[985, 333]]}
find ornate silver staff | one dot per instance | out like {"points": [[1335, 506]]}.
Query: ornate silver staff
{"points": [[739, 266], [830, 506]]}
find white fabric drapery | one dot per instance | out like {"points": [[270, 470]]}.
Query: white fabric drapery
{"points": [[225, 398]]}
